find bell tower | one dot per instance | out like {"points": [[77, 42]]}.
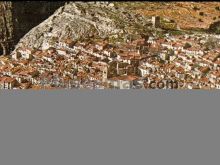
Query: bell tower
{"points": [[156, 21], [105, 74]]}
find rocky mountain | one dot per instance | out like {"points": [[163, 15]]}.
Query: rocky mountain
{"points": [[84, 19], [17, 18]]}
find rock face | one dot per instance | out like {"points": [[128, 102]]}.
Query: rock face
{"points": [[6, 26], [84, 19], [17, 18], [80, 19]]}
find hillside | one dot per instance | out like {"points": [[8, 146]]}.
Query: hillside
{"points": [[188, 15], [101, 44], [82, 20]]}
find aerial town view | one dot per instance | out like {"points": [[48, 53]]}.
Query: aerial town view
{"points": [[109, 45]]}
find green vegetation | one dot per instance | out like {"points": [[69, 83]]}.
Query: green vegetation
{"points": [[114, 40], [187, 45], [170, 52], [176, 32], [160, 34], [217, 8], [200, 20], [201, 13], [105, 60], [196, 8], [215, 27], [130, 5], [113, 55], [112, 72], [168, 24]]}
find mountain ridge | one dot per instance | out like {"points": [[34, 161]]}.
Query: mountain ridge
{"points": [[76, 20]]}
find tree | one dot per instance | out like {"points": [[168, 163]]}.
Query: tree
{"points": [[196, 8], [201, 13], [187, 45], [171, 52], [112, 72], [113, 55], [200, 20], [217, 8], [106, 60], [215, 27], [75, 71]]}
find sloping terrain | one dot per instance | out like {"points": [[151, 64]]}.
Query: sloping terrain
{"points": [[85, 19], [79, 19], [188, 15]]}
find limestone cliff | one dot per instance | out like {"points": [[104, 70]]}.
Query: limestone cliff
{"points": [[84, 19], [17, 18]]}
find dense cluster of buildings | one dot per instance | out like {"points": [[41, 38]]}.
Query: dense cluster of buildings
{"points": [[98, 64]]}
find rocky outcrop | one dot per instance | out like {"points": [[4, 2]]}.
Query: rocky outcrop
{"points": [[17, 18], [6, 26], [80, 20]]}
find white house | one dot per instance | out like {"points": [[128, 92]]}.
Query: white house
{"points": [[26, 53], [16, 55], [62, 52], [144, 70]]}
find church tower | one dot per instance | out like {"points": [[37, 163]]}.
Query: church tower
{"points": [[105, 74], [156, 21]]}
